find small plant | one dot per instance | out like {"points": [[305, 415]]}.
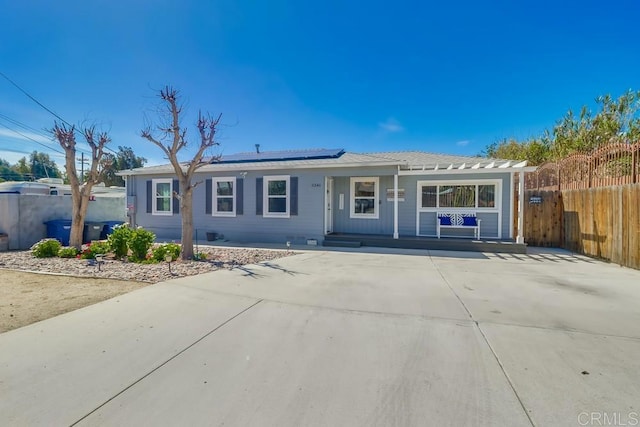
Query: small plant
{"points": [[160, 252], [200, 256], [118, 240], [46, 248], [95, 248], [139, 242], [67, 252]]}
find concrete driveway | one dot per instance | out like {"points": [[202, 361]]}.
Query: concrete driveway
{"points": [[343, 339]]}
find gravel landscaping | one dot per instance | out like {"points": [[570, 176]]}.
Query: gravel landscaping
{"points": [[216, 258], [34, 289]]}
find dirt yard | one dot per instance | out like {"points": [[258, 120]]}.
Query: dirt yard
{"points": [[27, 298]]}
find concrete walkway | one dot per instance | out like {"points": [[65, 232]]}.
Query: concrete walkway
{"points": [[343, 339]]}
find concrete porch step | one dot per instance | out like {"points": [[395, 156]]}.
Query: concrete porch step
{"points": [[342, 243]]}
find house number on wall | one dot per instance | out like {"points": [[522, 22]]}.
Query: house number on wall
{"points": [[316, 185]]}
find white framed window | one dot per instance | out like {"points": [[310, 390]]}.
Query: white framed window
{"points": [[365, 197], [162, 196], [276, 196], [224, 196], [476, 195]]}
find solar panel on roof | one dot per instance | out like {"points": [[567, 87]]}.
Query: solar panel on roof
{"points": [[270, 156]]}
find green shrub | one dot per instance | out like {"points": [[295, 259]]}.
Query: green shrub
{"points": [[67, 252], [95, 248], [159, 252], [46, 248], [140, 241], [119, 240]]}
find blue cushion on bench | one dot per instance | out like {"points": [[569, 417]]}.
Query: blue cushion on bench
{"points": [[445, 220], [469, 221]]}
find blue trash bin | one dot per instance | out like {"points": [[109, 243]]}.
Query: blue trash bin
{"points": [[108, 228], [59, 229]]}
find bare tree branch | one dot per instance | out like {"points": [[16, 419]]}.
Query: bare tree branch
{"points": [[80, 193], [171, 138]]}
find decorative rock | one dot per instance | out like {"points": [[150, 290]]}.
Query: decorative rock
{"points": [[152, 273]]}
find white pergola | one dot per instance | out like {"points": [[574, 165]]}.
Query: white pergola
{"points": [[489, 167]]}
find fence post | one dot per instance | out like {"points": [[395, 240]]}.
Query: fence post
{"points": [[634, 165]]}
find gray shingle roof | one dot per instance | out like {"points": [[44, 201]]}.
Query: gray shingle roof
{"points": [[421, 158], [403, 159]]}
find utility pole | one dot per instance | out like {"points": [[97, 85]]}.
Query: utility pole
{"points": [[82, 162]]}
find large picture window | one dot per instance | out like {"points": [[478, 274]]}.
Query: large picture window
{"points": [[224, 196], [365, 197], [476, 196], [162, 196], [457, 196], [277, 194]]}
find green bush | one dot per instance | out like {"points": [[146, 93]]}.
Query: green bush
{"points": [[140, 241], [159, 252], [95, 248], [67, 252], [46, 248], [119, 240]]}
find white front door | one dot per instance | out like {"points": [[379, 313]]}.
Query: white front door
{"points": [[328, 201]]}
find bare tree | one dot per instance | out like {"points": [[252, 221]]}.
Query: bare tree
{"points": [[171, 138], [80, 193]]}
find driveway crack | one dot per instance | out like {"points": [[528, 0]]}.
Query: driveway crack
{"points": [[486, 340], [168, 360]]}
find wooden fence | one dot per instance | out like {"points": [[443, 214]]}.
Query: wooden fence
{"points": [[600, 222]]}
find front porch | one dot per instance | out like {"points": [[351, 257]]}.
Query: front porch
{"points": [[429, 243]]}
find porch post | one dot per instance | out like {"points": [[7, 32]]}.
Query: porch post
{"points": [[395, 206], [520, 238]]}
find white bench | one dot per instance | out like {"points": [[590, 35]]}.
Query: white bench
{"points": [[459, 220]]}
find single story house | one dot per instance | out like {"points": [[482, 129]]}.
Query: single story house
{"points": [[302, 196]]}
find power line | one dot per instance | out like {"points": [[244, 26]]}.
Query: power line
{"points": [[31, 129], [44, 107], [33, 99], [31, 139], [23, 126]]}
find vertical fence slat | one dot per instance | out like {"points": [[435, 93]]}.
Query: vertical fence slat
{"points": [[599, 222]]}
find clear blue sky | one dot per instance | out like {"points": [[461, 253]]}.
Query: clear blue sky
{"points": [[446, 77]]}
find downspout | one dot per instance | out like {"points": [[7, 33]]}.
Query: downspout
{"points": [[130, 201], [395, 204]]}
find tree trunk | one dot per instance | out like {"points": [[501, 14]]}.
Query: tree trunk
{"points": [[80, 205], [186, 210]]}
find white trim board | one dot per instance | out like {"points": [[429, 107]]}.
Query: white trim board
{"points": [[497, 209]]}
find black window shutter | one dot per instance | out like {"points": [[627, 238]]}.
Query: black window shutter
{"points": [[259, 196], [293, 202], [149, 196], [176, 202], [208, 197], [239, 196]]}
